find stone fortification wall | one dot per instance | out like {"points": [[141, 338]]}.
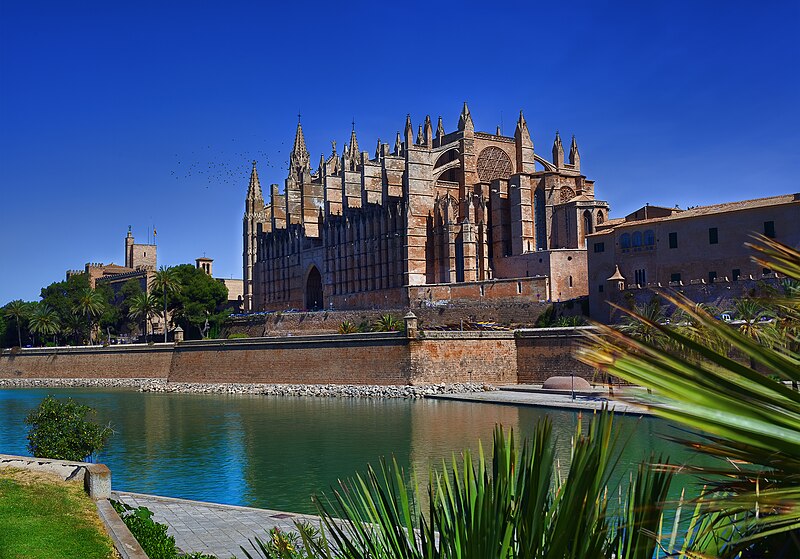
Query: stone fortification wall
{"points": [[488, 357], [526, 356], [373, 358], [547, 352], [133, 361]]}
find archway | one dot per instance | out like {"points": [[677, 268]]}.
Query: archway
{"points": [[314, 289]]}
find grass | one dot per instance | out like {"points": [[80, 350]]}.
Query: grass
{"points": [[42, 517]]}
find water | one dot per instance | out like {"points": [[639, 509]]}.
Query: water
{"points": [[275, 452]]}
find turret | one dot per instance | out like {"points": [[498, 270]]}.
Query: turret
{"points": [[253, 217], [129, 249], [524, 147], [558, 152], [353, 155], [574, 155]]}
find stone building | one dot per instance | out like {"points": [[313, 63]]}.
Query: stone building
{"points": [[140, 264], [464, 215], [700, 251], [234, 286]]}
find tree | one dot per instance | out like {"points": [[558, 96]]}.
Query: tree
{"points": [[62, 297], [44, 321], [17, 311], [750, 419], [61, 430], [167, 283], [201, 298], [90, 304], [143, 306]]}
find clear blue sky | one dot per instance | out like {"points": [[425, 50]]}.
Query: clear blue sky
{"points": [[148, 113]]}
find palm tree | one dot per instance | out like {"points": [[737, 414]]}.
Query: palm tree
{"points": [[44, 321], [143, 306], [167, 282], [750, 419], [91, 305], [17, 310]]}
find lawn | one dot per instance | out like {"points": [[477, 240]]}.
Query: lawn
{"points": [[42, 517]]}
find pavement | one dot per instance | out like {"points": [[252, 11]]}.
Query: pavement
{"points": [[213, 528], [533, 395]]}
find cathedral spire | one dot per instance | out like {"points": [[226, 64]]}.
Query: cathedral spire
{"points": [[398, 144], [465, 123], [354, 154], [428, 133], [524, 147], [254, 189], [574, 155], [408, 135], [299, 160], [558, 152]]}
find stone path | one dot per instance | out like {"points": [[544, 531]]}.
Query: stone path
{"points": [[211, 528], [521, 395]]}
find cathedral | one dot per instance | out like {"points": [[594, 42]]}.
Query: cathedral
{"points": [[460, 216]]}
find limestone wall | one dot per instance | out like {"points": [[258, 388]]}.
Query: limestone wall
{"points": [[135, 361], [547, 352], [525, 356]]}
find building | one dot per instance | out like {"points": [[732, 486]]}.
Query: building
{"points": [[698, 251], [140, 264], [464, 215]]}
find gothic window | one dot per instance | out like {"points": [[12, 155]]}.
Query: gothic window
{"points": [[649, 238], [600, 218], [494, 163], [625, 240], [566, 194], [637, 239]]}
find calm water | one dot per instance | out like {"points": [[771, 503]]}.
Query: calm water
{"points": [[275, 452]]}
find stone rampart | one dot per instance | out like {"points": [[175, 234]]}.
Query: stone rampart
{"points": [[547, 352], [491, 357]]}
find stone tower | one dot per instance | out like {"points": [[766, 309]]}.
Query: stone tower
{"points": [[254, 217]]}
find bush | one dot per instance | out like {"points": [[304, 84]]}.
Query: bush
{"points": [[347, 327], [237, 336], [60, 430], [151, 535]]}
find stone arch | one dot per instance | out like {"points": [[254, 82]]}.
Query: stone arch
{"points": [[600, 217], [313, 289], [588, 224]]}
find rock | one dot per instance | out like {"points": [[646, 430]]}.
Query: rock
{"points": [[566, 383]]}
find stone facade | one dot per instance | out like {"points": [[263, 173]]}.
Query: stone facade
{"points": [[688, 250], [461, 209]]}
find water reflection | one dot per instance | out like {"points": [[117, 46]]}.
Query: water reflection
{"points": [[275, 452]]}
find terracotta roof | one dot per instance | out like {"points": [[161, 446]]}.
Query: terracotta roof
{"points": [[713, 209]]}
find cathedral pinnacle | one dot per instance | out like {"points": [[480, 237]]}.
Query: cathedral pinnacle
{"points": [[398, 144], [465, 120], [439, 129], [299, 160], [420, 139], [254, 189], [408, 134], [574, 154], [558, 151]]}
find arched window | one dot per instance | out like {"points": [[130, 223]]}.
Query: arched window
{"points": [[649, 238], [588, 227], [637, 239], [625, 240], [600, 218]]}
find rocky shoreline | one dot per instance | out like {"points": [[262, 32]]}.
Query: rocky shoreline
{"points": [[313, 390]]}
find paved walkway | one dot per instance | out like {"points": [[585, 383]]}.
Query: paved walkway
{"points": [[520, 395], [212, 528]]}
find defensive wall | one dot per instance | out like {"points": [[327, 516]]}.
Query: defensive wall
{"points": [[503, 357]]}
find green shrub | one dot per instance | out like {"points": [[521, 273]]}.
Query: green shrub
{"points": [[151, 535], [388, 323], [60, 430], [237, 336], [290, 545]]}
